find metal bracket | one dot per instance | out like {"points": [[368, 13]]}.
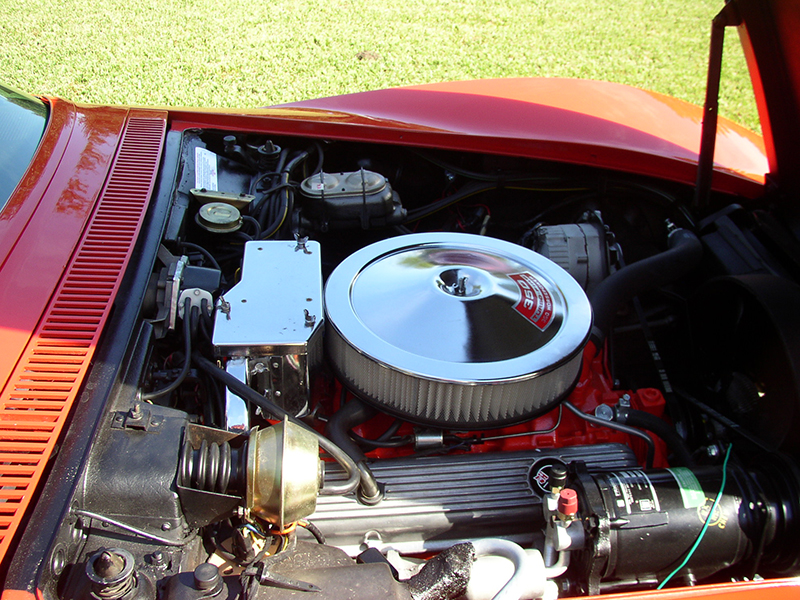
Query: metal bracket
{"points": [[137, 417]]}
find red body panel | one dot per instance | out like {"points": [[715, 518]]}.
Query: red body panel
{"points": [[777, 589], [772, 49], [62, 277], [53, 203], [582, 122]]}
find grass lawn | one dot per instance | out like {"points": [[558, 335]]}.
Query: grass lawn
{"points": [[248, 54]]}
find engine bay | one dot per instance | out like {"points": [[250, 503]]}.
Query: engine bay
{"points": [[366, 371]]}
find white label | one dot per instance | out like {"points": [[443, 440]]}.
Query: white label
{"points": [[634, 491], [205, 169]]}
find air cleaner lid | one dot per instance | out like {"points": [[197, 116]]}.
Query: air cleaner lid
{"points": [[458, 307]]}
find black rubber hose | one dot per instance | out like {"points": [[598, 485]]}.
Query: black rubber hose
{"points": [[393, 428], [338, 431], [385, 440], [342, 421], [354, 473], [675, 443], [684, 254], [187, 340], [207, 257]]}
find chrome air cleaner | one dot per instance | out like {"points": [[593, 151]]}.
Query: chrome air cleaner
{"points": [[456, 330]]}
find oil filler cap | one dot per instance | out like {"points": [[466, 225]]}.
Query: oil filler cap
{"points": [[219, 217]]}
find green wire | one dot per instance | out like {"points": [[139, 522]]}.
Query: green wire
{"points": [[705, 525]]}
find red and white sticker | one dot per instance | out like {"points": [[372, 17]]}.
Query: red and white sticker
{"points": [[535, 301]]}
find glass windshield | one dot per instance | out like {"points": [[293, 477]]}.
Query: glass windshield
{"points": [[22, 121]]}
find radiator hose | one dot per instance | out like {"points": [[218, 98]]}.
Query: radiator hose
{"points": [[684, 254], [644, 420]]}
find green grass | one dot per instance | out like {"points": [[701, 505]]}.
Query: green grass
{"points": [[246, 54]]}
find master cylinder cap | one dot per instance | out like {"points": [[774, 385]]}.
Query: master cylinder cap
{"points": [[456, 330]]}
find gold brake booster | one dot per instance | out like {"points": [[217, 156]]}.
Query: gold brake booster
{"points": [[273, 473]]}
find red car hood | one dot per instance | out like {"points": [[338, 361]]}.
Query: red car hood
{"points": [[770, 34], [579, 121]]}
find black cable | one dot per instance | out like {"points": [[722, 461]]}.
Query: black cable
{"points": [[313, 530], [393, 428], [277, 187], [320, 158], [733, 426], [261, 177], [250, 395], [241, 235], [187, 335], [206, 322], [497, 178], [385, 440], [467, 190], [651, 447], [266, 207], [214, 399], [256, 225], [286, 175], [553, 208], [390, 443], [285, 194], [206, 254]]}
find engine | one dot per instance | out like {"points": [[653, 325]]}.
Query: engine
{"points": [[367, 372]]}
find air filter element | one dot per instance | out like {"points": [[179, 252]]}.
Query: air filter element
{"points": [[456, 330]]}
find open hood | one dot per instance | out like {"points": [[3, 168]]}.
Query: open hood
{"points": [[770, 34]]}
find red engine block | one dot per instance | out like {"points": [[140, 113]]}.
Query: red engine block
{"points": [[555, 429]]}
